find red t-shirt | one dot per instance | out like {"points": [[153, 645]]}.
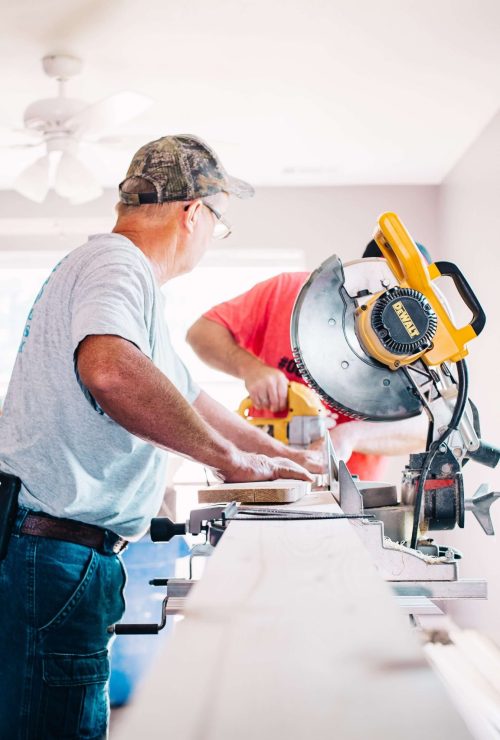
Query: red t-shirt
{"points": [[259, 320]]}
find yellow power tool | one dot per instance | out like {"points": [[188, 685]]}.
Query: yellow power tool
{"points": [[302, 423]]}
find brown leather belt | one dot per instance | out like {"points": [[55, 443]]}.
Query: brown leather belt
{"points": [[69, 530]]}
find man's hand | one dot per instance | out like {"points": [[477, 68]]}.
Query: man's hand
{"points": [[247, 467], [313, 459], [267, 387]]}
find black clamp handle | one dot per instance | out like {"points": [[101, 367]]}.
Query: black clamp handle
{"points": [[141, 629], [136, 629], [164, 529]]}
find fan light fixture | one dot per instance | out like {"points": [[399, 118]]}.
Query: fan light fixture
{"points": [[61, 125]]}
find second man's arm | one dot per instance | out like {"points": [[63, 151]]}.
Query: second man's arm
{"points": [[266, 386]]}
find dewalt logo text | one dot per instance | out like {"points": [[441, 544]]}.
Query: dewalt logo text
{"points": [[405, 319]]}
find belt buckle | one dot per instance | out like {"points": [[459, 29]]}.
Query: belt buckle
{"points": [[113, 543], [119, 546]]}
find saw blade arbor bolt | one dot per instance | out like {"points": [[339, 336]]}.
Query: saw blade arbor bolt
{"points": [[332, 322], [344, 364]]}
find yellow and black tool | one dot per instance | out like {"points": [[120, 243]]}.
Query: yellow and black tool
{"points": [[402, 324], [301, 424]]}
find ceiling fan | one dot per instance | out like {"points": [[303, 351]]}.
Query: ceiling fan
{"points": [[61, 125]]}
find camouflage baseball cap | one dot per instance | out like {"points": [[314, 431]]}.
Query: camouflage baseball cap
{"points": [[180, 168]]}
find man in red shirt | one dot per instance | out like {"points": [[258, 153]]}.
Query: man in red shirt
{"points": [[249, 337]]}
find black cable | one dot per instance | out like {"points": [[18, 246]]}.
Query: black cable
{"points": [[462, 394]]}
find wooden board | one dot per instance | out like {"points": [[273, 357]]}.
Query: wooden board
{"points": [[282, 491], [290, 633]]}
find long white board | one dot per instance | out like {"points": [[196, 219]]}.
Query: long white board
{"points": [[292, 635]]}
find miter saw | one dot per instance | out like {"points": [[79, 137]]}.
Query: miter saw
{"points": [[375, 339]]}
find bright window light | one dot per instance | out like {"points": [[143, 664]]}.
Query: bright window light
{"points": [[19, 286]]}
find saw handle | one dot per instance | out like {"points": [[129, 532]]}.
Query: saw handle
{"points": [[448, 269]]}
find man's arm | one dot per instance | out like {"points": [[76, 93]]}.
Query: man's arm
{"points": [[248, 438], [213, 343], [136, 394], [380, 438]]}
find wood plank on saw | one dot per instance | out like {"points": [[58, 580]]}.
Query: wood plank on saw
{"points": [[281, 491]]}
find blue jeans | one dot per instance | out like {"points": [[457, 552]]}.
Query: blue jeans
{"points": [[57, 600]]}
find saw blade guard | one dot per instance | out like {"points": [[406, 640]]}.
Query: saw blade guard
{"points": [[327, 350]]}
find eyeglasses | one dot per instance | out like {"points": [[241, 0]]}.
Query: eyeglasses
{"points": [[221, 227]]}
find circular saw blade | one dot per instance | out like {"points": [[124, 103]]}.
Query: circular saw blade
{"points": [[328, 353]]}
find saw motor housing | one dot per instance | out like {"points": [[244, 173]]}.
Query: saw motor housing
{"points": [[399, 325]]}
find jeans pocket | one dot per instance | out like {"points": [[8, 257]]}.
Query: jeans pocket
{"points": [[74, 702], [72, 590]]}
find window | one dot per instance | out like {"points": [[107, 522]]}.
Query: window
{"points": [[21, 276]]}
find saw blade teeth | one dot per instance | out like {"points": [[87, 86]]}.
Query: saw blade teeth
{"points": [[330, 402]]}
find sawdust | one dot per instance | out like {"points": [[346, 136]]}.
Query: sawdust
{"points": [[391, 545]]}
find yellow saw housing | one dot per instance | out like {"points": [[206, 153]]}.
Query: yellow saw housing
{"points": [[402, 324]]}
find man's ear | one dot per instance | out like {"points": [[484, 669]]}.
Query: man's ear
{"points": [[191, 214]]}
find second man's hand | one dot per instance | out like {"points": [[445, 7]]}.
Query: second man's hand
{"points": [[267, 387]]}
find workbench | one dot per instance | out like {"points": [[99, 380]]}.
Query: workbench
{"points": [[291, 633]]}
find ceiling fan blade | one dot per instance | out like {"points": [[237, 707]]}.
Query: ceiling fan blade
{"points": [[74, 181], [105, 115], [33, 182], [16, 138]]}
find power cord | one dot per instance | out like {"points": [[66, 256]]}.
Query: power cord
{"points": [[462, 394]]}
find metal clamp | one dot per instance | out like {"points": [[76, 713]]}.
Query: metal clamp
{"points": [[172, 604]]}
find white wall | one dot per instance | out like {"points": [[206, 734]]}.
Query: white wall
{"points": [[323, 221], [469, 219], [320, 221]]}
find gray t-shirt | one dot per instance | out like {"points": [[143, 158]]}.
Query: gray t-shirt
{"points": [[73, 459]]}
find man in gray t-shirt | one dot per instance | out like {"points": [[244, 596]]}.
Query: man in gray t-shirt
{"points": [[73, 459], [97, 397]]}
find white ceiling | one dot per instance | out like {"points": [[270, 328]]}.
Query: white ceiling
{"points": [[289, 92]]}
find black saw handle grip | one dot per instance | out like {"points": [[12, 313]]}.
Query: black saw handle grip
{"points": [[448, 269], [486, 454]]}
